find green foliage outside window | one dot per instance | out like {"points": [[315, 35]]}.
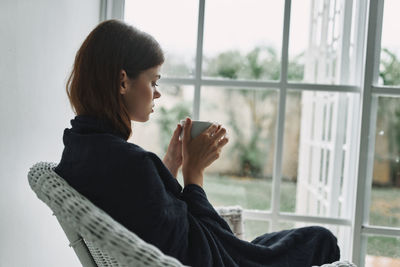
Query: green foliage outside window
{"points": [[390, 68], [389, 111], [260, 63], [168, 119], [263, 63]]}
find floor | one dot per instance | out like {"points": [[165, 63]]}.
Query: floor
{"points": [[375, 261]]}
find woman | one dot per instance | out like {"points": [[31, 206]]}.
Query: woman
{"points": [[114, 82]]}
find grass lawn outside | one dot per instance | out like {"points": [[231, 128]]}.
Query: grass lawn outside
{"points": [[252, 193]]}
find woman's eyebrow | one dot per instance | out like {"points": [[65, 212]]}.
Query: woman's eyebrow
{"points": [[158, 76]]}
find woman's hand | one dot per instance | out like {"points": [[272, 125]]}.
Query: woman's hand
{"points": [[200, 152], [173, 158]]}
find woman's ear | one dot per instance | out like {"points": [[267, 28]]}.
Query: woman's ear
{"points": [[123, 82]]}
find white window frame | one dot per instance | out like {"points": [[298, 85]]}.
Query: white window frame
{"points": [[112, 9], [366, 79], [370, 90]]}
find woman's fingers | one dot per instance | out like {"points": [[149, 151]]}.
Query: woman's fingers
{"points": [[223, 141], [220, 133], [177, 131], [186, 131], [211, 130]]}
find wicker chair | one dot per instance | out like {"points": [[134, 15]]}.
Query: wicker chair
{"points": [[98, 240]]}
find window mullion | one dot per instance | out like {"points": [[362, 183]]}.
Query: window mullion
{"points": [[112, 9], [261, 215], [357, 68], [386, 90], [345, 43], [324, 87], [199, 60], [285, 44], [367, 140], [277, 172], [383, 231], [265, 84]]}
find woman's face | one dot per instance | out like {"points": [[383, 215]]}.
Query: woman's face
{"points": [[139, 94]]}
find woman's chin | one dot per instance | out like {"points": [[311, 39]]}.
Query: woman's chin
{"points": [[141, 119]]}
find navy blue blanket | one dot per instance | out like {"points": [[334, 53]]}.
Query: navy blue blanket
{"points": [[137, 190]]}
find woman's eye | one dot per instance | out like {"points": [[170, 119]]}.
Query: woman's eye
{"points": [[154, 84]]}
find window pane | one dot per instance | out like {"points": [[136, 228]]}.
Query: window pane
{"points": [[173, 24], [342, 233], [390, 48], [175, 103], [319, 48], [242, 174], [315, 176], [385, 202], [253, 229], [382, 251], [242, 39]]}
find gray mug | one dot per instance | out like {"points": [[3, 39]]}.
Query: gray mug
{"points": [[197, 127]]}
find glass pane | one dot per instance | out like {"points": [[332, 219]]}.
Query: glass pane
{"points": [[342, 233], [253, 229], [242, 39], [319, 50], [173, 24], [315, 176], [230, 190], [382, 251], [385, 201], [175, 103], [242, 174], [389, 73]]}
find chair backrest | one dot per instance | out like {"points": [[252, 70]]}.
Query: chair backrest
{"points": [[98, 240], [233, 215]]}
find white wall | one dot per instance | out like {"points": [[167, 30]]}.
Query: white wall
{"points": [[38, 42]]}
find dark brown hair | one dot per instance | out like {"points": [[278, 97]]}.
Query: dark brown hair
{"points": [[94, 83]]}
